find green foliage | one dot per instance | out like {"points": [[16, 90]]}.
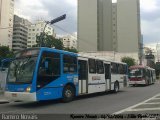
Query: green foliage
{"points": [[71, 50], [5, 52], [130, 61], [51, 42], [48, 41]]}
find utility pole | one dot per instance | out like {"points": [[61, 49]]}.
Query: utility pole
{"points": [[42, 44]]}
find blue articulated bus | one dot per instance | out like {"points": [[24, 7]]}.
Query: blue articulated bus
{"points": [[42, 74]]}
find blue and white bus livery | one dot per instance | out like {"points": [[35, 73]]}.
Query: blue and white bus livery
{"points": [[45, 74]]}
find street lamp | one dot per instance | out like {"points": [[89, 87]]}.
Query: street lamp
{"points": [[42, 44]]}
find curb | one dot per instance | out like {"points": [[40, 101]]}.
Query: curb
{"points": [[2, 99]]}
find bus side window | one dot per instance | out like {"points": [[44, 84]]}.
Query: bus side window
{"points": [[100, 67], [114, 68], [92, 66], [121, 69], [69, 64]]}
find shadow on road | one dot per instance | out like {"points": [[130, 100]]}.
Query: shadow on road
{"points": [[141, 85], [46, 103]]}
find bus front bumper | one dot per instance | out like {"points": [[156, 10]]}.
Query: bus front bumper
{"points": [[142, 82], [20, 96]]}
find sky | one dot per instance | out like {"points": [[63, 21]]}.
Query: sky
{"points": [[50, 9]]}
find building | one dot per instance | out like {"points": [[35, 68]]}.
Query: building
{"points": [[114, 27], [94, 25], [107, 26], [141, 47], [6, 22], [69, 41], [20, 33], [37, 29], [111, 55], [158, 52], [128, 25]]}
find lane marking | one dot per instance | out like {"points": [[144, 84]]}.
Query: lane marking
{"points": [[152, 103], [143, 109], [131, 107], [157, 98]]}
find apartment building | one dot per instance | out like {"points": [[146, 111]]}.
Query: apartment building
{"points": [[95, 25], [107, 26], [128, 26], [69, 41], [37, 29], [20, 33], [6, 22]]}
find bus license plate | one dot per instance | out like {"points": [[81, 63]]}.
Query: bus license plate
{"points": [[14, 95]]}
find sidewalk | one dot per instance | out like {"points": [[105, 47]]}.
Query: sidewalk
{"points": [[2, 99]]}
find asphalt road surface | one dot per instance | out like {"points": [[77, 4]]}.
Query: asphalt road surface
{"points": [[102, 103]]}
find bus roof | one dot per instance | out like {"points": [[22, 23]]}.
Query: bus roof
{"points": [[46, 49], [139, 66], [98, 58], [59, 51]]}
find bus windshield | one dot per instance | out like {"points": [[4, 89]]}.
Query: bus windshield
{"points": [[21, 70], [135, 73]]}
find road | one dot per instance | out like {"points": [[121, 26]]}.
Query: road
{"points": [[102, 103]]}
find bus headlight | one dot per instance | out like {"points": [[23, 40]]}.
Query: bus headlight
{"points": [[28, 89]]}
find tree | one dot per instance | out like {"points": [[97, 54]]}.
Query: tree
{"points": [[130, 61], [48, 41], [45, 40], [71, 50], [5, 52]]}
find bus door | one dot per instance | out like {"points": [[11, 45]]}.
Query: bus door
{"points": [[49, 71], [83, 76], [108, 76]]}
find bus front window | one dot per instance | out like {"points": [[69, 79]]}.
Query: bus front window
{"points": [[21, 70], [135, 73]]}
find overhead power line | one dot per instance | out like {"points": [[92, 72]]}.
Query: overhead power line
{"points": [[84, 41]]}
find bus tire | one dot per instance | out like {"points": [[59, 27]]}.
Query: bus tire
{"points": [[116, 87], [68, 93]]}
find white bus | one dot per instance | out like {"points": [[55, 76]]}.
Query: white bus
{"points": [[98, 75]]}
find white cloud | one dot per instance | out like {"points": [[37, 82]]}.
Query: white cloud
{"points": [[150, 22], [72, 2], [151, 31], [114, 1], [49, 9], [30, 9], [149, 5], [151, 45], [150, 27]]}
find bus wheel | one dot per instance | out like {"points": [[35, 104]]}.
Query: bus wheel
{"points": [[116, 87], [68, 93]]}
